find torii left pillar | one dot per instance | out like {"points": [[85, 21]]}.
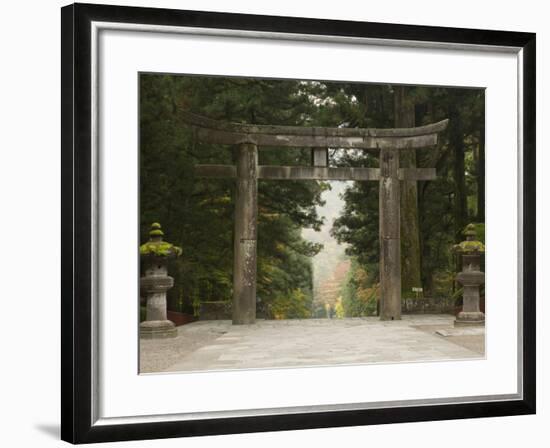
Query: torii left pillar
{"points": [[246, 235]]}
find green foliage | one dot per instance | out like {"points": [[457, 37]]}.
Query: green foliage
{"points": [[339, 310], [360, 292], [292, 305], [196, 305], [442, 217], [442, 283], [479, 231], [198, 213]]}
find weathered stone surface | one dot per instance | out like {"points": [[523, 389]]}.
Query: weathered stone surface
{"points": [[219, 345], [155, 283], [414, 174], [275, 172], [316, 173], [157, 329], [471, 278], [390, 279], [212, 131], [319, 157], [250, 129], [312, 141], [390, 244], [246, 221], [470, 318], [428, 305]]}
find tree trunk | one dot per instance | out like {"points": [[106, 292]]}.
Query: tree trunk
{"points": [[456, 143], [481, 175], [410, 230]]}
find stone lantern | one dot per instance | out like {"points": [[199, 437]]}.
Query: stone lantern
{"points": [[155, 254], [471, 278]]}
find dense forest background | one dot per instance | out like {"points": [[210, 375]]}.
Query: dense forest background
{"points": [[197, 214]]}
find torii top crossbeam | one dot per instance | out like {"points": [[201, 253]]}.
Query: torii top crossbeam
{"points": [[213, 131]]}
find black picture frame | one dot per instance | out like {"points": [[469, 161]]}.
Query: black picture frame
{"points": [[76, 312]]}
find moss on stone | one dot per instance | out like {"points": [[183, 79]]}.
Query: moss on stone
{"points": [[476, 230], [156, 247], [470, 230], [472, 243], [160, 249], [469, 246]]}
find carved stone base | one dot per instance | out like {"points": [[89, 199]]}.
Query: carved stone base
{"points": [[157, 329], [470, 318]]}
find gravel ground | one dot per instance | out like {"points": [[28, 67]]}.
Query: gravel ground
{"points": [[472, 338], [218, 345], [158, 354]]}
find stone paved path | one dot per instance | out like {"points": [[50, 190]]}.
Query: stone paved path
{"points": [[218, 345]]}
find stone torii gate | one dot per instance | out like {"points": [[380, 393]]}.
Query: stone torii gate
{"points": [[247, 138]]}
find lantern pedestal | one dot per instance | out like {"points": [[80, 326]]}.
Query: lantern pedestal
{"points": [[154, 285], [469, 319], [157, 329], [471, 278]]}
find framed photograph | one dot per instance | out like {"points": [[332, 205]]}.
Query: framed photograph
{"points": [[276, 223]]}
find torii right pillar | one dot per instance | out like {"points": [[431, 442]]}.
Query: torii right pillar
{"points": [[390, 239]]}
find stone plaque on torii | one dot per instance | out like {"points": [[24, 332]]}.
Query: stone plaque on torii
{"points": [[248, 138]]}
